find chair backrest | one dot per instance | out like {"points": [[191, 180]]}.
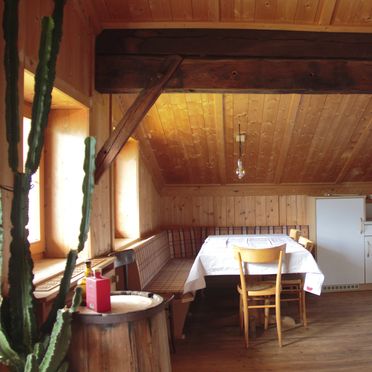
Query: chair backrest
{"points": [[294, 234], [308, 244], [259, 255]]}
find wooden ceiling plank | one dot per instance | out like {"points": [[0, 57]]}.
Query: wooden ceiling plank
{"points": [[160, 10], [134, 115], [181, 10], [118, 74], [355, 107], [208, 107], [228, 113], [326, 11], [254, 117], [265, 169], [344, 11], [326, 129], [266, 10], [205, 10], [197, 124], [362, 12], [301, 143], [292, 118], [247, 10], [358, 145], [138, 9], [184, 134], [286, 11], [174, 171], [278, 136], [306, 11], [157, 139], [149, 157], [220, 131]]}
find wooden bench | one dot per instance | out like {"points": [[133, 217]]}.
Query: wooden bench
{"points": [[154, 270], [186, 242]]}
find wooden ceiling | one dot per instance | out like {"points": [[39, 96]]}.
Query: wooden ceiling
{"points": [[292, 138], [325, 15]]}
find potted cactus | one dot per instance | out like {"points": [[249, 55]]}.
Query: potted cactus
{"points": [[24, 344]]}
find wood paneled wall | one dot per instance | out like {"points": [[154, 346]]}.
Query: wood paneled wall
{"points": [[101, 231], [76, 56], [216, 210]]}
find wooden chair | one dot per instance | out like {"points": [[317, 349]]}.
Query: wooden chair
{"points": [[308, 244], [259, 290], [294, 234], [293, 285]]}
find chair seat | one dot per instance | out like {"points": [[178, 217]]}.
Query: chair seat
{"points": [[263, 286]]}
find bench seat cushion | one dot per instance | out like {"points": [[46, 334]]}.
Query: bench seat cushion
{"points": [[171, 278]]}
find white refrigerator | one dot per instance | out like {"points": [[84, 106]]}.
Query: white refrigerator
{"points": [[340, 239]]}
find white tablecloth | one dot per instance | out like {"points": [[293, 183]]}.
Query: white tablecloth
{"points": [[216, 258]]}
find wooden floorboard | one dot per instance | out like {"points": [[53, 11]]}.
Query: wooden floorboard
{"points": [[338, 338]]}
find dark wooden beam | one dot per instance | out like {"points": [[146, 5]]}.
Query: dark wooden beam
{"points": [[121, 74], [135, 114], [235, 43]]}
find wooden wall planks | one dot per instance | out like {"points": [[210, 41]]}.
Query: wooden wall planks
{"points": [[75, 60], [101, 228], [216, 210]]}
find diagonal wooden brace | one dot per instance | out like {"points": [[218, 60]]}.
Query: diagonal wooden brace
{"points": [[137, 111]]}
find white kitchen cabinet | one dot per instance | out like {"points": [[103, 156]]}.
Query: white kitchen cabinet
{"points": [[340, 240], [368, 251]]}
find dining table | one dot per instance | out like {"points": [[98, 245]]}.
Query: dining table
{"points": [[216, 257]]}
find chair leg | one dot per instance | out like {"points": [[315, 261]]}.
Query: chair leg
{"points": [[246, 325], [300, 303], [278, 319], [266, 312], [241, 320], [304, 308]]}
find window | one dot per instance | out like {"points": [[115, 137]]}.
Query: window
{"points": [[36, 195]]}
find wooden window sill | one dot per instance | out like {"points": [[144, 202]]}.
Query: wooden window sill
{"points": [[47, 273]]}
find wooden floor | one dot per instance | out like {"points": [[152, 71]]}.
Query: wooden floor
{"points": [[338, 338]]}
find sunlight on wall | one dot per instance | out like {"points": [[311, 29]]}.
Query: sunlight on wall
{"points": [[65, 156], [126, 192]]}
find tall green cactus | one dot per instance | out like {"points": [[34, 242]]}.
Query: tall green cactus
{"points": [[11, 64], [24, 346]]}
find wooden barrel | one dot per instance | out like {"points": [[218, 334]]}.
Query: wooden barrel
{"points": [[133, 337]]}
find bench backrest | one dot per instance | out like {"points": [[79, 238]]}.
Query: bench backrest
{"points": [[185, 242], [150, 257]]}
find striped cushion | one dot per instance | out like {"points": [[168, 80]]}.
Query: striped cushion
{"points": [[171, 278], [151, 255], [185, 242]]}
